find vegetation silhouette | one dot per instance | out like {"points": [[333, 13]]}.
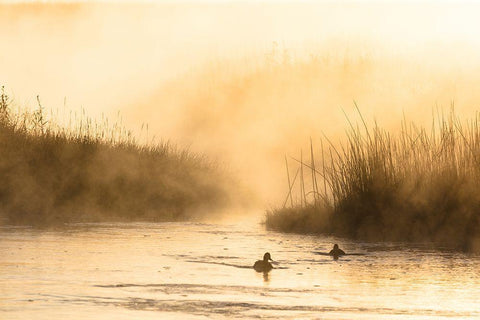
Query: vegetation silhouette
{"points": [[418, 185], [94, 171]]}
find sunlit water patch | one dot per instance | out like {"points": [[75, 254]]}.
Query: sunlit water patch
{"points": [[200, 271]]}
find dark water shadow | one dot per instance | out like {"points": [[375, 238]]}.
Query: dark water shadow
{"points": [[239, 309], [213, 260], [346, 254], [189, 288], [240, 266], [222, 264]]}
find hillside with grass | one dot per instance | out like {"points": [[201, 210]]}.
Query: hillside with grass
{"points": [[416, 185], [95, 171]]}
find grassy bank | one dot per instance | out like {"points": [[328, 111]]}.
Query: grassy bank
{"points": [[93, 171], [415, 185]]}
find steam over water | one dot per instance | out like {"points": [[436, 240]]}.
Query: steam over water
{"points": [[199, 271]]}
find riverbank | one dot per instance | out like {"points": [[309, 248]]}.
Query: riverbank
{"points": [[417, 185], [93, 171]]}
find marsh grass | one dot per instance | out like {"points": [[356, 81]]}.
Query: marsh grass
{"points": [[95, 171], [415, 185]]}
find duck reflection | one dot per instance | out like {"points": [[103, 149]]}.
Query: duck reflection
{"points": [[266, 277]]}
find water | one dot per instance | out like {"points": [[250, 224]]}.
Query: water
{"points": [[203, 271]]}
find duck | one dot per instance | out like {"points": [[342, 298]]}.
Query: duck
{"points": [[336, 252], [263, 265]]}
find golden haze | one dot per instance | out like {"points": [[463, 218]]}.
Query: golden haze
{"points": [[244, 82]]}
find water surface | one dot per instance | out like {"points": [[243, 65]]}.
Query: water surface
{"points": [[203, 271]]}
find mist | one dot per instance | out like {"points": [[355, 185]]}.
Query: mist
{"points": [[246, 83]]}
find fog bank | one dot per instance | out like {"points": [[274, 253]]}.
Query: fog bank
{"points": [[244, 82]]}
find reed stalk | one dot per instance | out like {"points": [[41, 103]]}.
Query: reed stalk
{"points": [[414, 185]]}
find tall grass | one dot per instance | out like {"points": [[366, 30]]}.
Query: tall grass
{"points": [[418, 184], [93, 171]]}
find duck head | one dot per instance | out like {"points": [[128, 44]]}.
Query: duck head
{"points": [[267, 256]]}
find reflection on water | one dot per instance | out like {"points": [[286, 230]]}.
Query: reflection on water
{"points": [[194, 271]]}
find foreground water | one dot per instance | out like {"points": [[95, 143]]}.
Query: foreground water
{"points": [[203, 271]]}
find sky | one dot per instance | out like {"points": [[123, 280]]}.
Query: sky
{"points": [[197, 71], [63, 50]]}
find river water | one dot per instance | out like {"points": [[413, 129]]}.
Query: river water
{"points": [[203, 271]]}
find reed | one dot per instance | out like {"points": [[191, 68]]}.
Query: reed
{"points": [[94, 170], [418, 184]]}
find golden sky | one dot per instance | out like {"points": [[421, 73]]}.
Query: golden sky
{"points": [[197, 72]]}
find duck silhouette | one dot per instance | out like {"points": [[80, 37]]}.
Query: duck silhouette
{"points": [[336, 252], [263, 265]]}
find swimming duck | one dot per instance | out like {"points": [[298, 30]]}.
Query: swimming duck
{"points": [[336, 252], [263, 265]]}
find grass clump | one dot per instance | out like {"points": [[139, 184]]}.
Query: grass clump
{"points": [[417, 185], [94, 171]]}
